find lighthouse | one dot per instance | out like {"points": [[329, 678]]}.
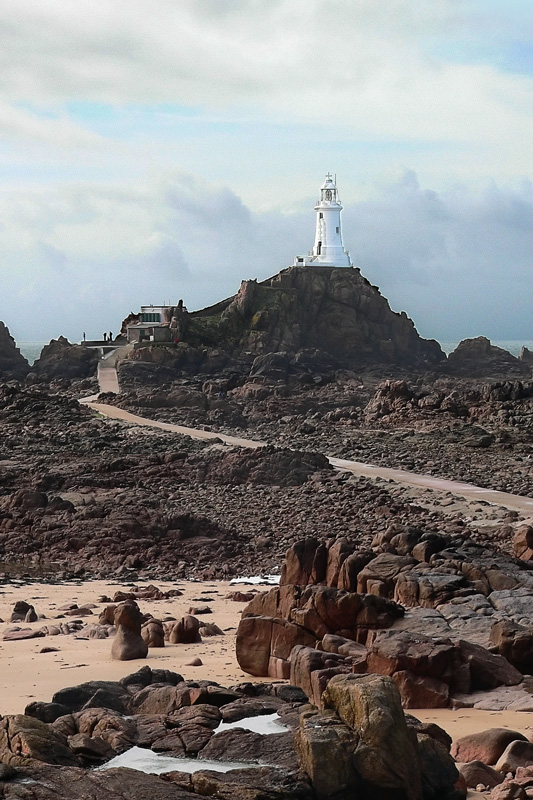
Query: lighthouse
{"points": [[328, 250]]}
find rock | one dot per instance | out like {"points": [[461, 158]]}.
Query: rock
{"points": [[305, 563], [385, 568], [236, 744], [49, 783], [440, 776], [14, 634], [386, 756], [185, 631], [488, 670], [312, 669], [194, 662], [25, 740], [517, 754], [61, 359], [12, 362], [240, 597], [90, 749], [486, 746], [338, 552], [250, 784], [198, 610], [418, 691], [476, 773], [209, 629], [153, 633], [479, 358], [23, 612], [514, 642], [350, 569], [428, 657], [46, 712], [322, 741], [264, 644], [523, 542], [128, 643], [333, 312], [508, 790]]}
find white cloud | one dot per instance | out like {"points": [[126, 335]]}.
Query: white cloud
{"points": [[459, 262], [366, 64]]}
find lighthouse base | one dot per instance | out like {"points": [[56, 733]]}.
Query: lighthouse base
{"points": [[322, 261]]}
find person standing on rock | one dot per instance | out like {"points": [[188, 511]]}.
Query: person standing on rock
{"points": [[105, 337]]}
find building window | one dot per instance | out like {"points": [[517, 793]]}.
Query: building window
{"points": [[150, 317]]}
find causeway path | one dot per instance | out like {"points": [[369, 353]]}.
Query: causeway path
{"points": [[410, 480]]}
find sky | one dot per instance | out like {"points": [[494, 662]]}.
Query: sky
{"points": [[165, 150]]}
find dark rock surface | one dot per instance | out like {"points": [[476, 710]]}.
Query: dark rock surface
{"points": [[12, 362], [61, 359], [360, 728]]}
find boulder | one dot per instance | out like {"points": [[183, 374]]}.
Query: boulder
{"points": [[425, 656], [305, 563], [523, 542], [514, 642], [128, 643], [386, 756], [264, 644], [350, 569], [418, 691], [440, 776], [517, 754], [153, 633], [477, 773], [322, 741], [311, 669], [486, 746], [488, 670], [185, 631], [478, 358], [26, 740]]}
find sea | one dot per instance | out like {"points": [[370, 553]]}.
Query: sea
{"points": [[32, 350]]}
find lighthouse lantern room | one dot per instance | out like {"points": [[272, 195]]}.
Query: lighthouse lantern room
{"points": [[328, 250]]}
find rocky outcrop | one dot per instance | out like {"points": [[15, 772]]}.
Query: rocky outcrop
{"points": [[61, 359], [444, 621], [333, 317], [12, 362], [478, 358]]}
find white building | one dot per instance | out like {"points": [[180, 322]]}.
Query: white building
{"points": [[328, 250]]}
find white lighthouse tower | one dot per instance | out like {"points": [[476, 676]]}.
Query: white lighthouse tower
{"points": [[328, 250]]}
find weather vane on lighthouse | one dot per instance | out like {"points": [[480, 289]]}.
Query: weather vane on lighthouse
{"points": [[328, 250]]}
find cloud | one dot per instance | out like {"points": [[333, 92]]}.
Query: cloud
{"points": [[381, 68], [80, 258]]}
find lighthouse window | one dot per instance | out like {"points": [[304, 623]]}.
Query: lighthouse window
{"points": [[337, 229], [321, 215], [319, 248]]}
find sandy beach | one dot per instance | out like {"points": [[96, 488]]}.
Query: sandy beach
{"points": [[27, 674]]}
